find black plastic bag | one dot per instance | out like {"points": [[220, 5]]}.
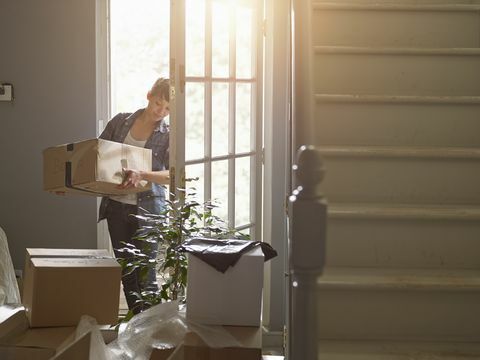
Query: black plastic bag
{"points": [[221, 254]]}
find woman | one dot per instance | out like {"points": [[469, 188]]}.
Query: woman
{"points": [[143, 128]]}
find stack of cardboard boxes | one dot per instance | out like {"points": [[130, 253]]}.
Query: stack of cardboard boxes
{"points": [[60, 286]]}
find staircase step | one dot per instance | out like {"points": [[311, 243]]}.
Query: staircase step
{"points": [[401, 175], [399, 304], [401, 236], [352, 278], [396, 71], [429, 25], [396, 350], [397, 120]]}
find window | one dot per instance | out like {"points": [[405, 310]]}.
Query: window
{"points": [[139, 50], [216, 107], [213, 53]]}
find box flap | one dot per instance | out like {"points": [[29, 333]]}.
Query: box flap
{"points": [[48, 338], [75, 262], [248, 336], [193, 347], [43, 252], [8, 352], [77, 350], [13, 321]]}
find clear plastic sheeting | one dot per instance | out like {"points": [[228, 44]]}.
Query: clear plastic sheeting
{"points": [[9, 293], [162, 326]]}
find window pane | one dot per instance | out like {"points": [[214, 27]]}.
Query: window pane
{"points": [[243, 118], [195, 37], [194, 120], [196, 171], [242, 191], [248, 231], [244, 42], [219, 119], [220, 188], [220, 39], [139, 48]]}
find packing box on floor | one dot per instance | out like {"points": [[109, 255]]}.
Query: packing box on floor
{"points": [[230, 298], [193, 348], [79, 349], [93, 167], [61, 285], [20, 343]]}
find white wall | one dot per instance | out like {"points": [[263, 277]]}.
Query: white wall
{"points": [[47, 50]]}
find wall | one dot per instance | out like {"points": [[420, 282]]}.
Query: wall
{"points": [[47, 50]]}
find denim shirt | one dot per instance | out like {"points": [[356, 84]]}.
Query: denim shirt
{"points": [[117, 129]]}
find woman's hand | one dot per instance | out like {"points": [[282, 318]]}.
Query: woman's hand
{"points": [[131, 179]]}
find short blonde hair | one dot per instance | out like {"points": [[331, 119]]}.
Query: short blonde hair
{"points": [[161, 88]]}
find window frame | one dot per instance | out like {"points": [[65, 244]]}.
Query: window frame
{"points": [[276, 155], [178, 81]]}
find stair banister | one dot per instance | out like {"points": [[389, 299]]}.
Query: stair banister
{"points": [[307, 244]]}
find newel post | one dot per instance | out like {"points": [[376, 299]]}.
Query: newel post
{"points": [[307, 244]]}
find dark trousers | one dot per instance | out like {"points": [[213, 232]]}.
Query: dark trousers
{"points": [[122, 226]]}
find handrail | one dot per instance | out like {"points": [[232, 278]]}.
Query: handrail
{"points": [[307, 244]]}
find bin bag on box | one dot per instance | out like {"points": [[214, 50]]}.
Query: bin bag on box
{"points": [[221, 254], [9, 293]]}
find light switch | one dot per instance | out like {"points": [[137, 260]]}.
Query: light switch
{"points": [[6, 92]]}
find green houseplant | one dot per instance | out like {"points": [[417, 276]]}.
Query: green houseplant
{"points": [[183, 218]]}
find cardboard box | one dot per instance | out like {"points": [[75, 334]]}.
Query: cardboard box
{"points": [[20, 343], [13, 321], [194, 348], [93, 167], [77, 350], [230, 298], [61, 285]]}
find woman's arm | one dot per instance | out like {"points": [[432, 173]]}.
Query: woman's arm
{"points": [[133, 177]]}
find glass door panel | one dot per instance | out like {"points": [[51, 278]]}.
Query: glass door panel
{"points": [[218, 115], [243, 118], [220, 110], [244, 21], [195, 37], [194, 120], [220, 38]]}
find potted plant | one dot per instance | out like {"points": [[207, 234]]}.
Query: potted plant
{"points": [[183, 218]]}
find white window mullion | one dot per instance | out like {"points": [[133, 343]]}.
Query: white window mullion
{"points": [[231, 117], [102, 19], [208, 101], [177, 95], [257, 123]]}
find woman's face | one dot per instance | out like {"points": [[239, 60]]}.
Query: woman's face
{"points": [[158, 106]]}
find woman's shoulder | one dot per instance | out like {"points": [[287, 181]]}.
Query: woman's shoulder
{"points": [[121, 116]]}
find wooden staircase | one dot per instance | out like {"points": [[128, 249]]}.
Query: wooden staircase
{"points": [[395, 95]]}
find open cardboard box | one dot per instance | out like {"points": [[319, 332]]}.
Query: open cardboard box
{"points": [[19, 342], [193, 348], [93, 167], [61, 285]]}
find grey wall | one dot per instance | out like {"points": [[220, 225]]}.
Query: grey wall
{"points": [[47, 50]]}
